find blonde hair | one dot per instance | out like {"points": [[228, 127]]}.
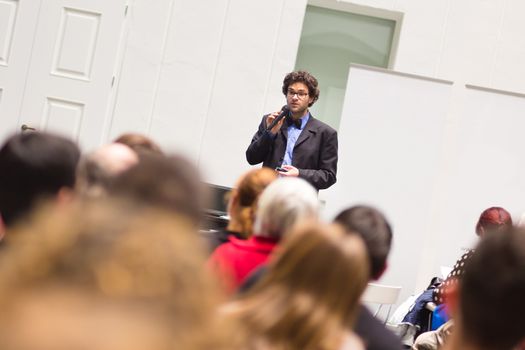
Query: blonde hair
{"points": [[138, 266], [310, 293], [244, 199]]}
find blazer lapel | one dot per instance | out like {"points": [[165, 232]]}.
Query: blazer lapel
{"points": [[309, 129], [284, 131]]}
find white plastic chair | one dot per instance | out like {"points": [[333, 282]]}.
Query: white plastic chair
{"points": [[382, 295]]}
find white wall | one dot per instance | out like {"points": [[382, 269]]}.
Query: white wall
{"points": [[431, 163], [198, 76], [391, 139], [478, 42], [195, 71]]}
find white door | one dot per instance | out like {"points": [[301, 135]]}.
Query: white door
{"points": [[18, 20], [70, 79]]}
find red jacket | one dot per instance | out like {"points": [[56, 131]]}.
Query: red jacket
{"points": [[235, 260]]}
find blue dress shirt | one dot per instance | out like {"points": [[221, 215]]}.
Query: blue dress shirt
{"points": [[293, 135]]}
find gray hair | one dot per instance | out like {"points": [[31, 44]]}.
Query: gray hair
{"points": [[283, 204]]}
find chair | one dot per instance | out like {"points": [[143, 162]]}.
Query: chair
{"points": [[382, 295]]}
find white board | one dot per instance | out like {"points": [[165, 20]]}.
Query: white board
{"points": [[390, 151], [485, 166]]}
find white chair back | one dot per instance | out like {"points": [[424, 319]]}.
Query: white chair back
{"points": [[382, 295]]}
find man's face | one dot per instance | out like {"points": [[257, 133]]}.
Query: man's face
{"points": [[298, 99]]}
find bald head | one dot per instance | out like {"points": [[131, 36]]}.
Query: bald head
{"points": [[98, 168]]}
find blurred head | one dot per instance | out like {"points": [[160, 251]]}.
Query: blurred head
{"points": [[284, 204], [100, 276], [96, 170], [139, 143], [493, 219], [34, 166], [310, 292], [172, 183], [490, 293], [244, 197], [374, 229]]}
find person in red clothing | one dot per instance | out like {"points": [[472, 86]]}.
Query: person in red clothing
{"points": [[282, 205]]}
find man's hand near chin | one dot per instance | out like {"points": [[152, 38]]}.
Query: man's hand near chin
{"points": [[290, 171]]}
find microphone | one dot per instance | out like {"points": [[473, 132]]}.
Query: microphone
{"points": [[284, 112]]}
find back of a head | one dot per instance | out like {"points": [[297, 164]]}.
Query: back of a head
{"points": [[139, 143], [310, 292], [246, 195], [375, 231], [135, 280], [34, 166], [493, 219], [284, 204], [491, 292], [172, 183], [96, 170]]}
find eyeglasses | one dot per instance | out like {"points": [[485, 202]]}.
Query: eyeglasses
{"points": [[300, 94]]}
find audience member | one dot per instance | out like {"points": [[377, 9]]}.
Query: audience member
{"points": [[98, 276], [487, 309], [242, 205], [172, 183], [282, 205], [308, 296], [35, 167], [493, 219], [139, 143], [374, 229], [96, 170]]}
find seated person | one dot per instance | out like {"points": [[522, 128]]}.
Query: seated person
{"points": [[493, 219], [139, 143], [309, 295], [374, 229], [487, 304], [242, 205], [100, 275], [96, 171], [35, 167], [372, 226], [283, 204]]}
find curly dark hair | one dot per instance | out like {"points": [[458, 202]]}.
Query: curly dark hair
{"points": [[306, 78]]}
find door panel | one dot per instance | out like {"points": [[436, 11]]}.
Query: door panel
{"points": [[8, 9], [17, 29], [69, 83]]}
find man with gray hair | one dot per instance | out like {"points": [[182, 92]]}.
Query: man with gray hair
{"points": [[282, 205]]}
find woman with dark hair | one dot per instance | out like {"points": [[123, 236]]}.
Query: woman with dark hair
{"points": [[493, 219]]}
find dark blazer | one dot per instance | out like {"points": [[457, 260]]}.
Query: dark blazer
{"points": [[314, 154]]}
